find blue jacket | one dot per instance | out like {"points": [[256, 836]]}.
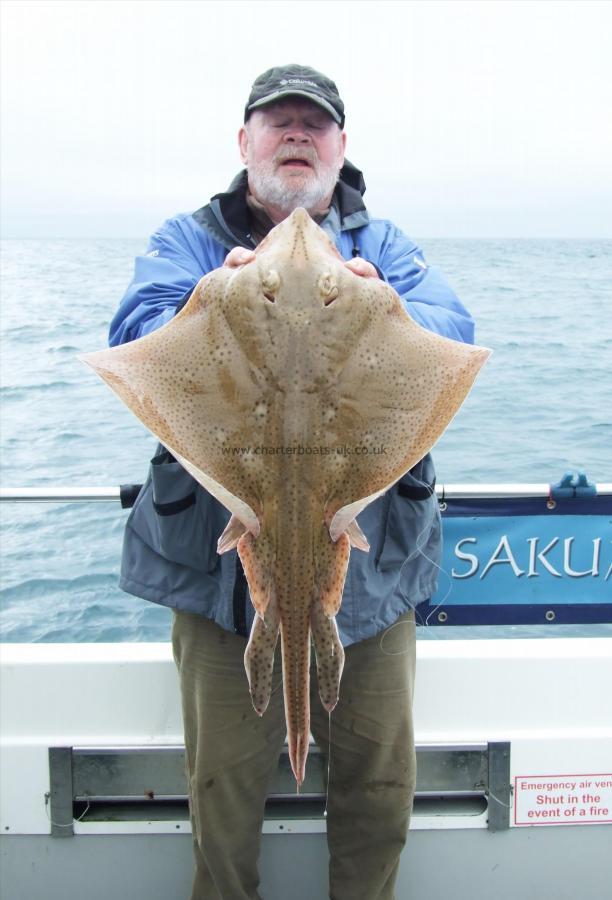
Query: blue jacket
{"points": [[169, 548]]}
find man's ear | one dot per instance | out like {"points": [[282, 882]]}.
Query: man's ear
{"points": [[243, 143], [343, 140]]}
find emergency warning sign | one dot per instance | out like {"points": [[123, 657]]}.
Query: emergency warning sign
{"points": [[562, 799]]}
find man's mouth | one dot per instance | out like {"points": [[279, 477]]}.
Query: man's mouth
{"points": [[296, 161]]}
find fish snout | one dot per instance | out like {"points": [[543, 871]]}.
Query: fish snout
{"points": [[300, 218]]}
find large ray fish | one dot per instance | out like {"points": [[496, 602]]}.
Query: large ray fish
{"points": [[273, 387]]}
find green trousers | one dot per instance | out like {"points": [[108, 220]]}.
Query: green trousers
{"points": [[232, 753]]}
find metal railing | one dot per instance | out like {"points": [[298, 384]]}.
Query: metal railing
{"points": [[448, 491], [59, 494]]}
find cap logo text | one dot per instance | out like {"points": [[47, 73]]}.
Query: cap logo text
{"points": [[297, 81]]}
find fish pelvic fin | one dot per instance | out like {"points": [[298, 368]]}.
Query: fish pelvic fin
{"points": [[232, 533], [329, 654], [357, 537], [259, 656], [332, 564], [257, 560]]}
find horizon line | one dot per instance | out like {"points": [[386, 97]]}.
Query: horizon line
{"points": [[447, 237]]}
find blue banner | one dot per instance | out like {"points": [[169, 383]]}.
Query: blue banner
{"points": [[522, 561]]}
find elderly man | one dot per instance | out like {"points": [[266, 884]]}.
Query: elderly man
{"points": [[292, 144]]}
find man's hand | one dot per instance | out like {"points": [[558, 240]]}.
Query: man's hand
{"points": [[361, 267], [240, 256]]}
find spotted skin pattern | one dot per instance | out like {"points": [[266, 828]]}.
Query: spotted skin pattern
{"points": [[273, 387]]}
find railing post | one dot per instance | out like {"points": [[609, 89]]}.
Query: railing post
{"points": [[498, 791], [60, 793]]}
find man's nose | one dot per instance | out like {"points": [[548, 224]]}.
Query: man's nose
{"points": [[297, 136]]}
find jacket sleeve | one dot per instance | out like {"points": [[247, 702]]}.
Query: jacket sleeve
{"points": [[428, 297], [163, 277]]}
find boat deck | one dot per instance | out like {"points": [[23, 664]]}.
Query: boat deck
{"points": [[534, 707]]}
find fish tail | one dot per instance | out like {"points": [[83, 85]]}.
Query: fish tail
{"points": [[296, 678], [298, 754], [330, 655]]}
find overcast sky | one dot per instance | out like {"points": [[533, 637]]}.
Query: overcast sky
{"points": [[469, 119]]}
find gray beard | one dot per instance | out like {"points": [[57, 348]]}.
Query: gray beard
{"points": [[270, 188]]}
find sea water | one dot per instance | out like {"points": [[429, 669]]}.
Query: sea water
{"points": [[541, 406]]}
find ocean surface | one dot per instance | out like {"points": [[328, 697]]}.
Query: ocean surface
{"points": [[542, 406]]}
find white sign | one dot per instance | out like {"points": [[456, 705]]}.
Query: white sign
{"points": [[562, 799]]}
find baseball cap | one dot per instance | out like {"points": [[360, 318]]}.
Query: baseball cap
{"points": [[293, 80]]}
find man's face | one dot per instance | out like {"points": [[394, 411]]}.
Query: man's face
{"points": [[293, 151]]}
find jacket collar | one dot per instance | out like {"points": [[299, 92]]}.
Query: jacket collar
{"points": [[226, 219]]}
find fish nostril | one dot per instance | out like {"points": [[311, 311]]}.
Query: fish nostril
{"points": [[269, 296], [329, 300]]}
